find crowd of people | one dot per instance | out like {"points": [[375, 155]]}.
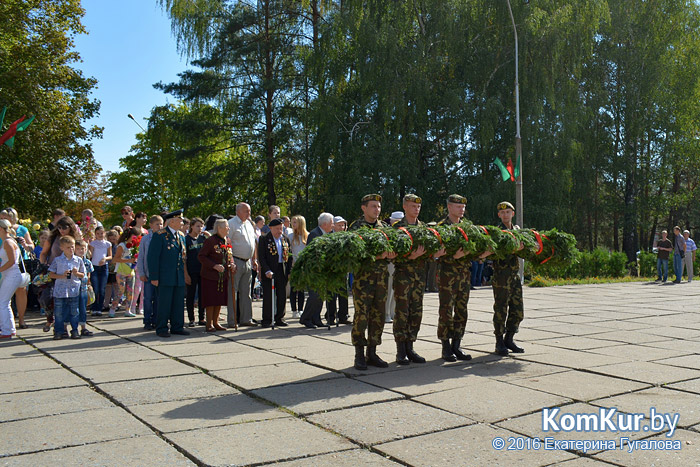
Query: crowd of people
{"points": [[160, 266]]}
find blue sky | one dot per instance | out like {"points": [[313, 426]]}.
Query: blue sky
{"points": [[129, 48]]}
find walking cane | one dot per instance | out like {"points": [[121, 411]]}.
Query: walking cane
{"points": [[233, 297], [274, 301]]}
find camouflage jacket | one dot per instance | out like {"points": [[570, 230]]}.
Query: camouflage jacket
{"points": [[510, 263], [417, 264], [358, 224]]}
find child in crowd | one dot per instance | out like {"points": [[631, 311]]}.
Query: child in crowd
{"points": [[125, 272], [111, 290], [43, 237], [80, 249], [101, 254], [67, 269]]}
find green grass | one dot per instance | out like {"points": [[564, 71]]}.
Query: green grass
{"points": [[539, 281]]}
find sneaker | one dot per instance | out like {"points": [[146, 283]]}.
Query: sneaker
{"points": [[64, 335], [129, 314], [74, 334], [139, 312], [57, 337], [191, 324], [111, 313], [96, 313], [86, 332], [295, 314]]}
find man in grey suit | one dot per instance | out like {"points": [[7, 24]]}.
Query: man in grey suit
{"points": [[311, 318]]}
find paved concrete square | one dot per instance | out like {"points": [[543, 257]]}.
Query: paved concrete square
{"points": [[292, 396]]}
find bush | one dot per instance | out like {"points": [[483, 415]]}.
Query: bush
{"points": [[617, 265], [647, 264], [596, 263]]}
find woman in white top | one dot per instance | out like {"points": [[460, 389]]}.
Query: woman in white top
{"points": [[101, 254], [10, 279], [298, 242]]}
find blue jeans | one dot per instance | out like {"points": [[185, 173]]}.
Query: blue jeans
{"points": [[82, 307], [477, 270], [662, 267], [150, 304], [99, 284], [677, 266], [65, 309]]}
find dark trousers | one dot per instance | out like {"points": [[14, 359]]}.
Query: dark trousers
{"points": [[99, 283], [150, 304], [280, 295], [296, 299], [341, 310], [171, 301], [312, 310], [196, 284]]}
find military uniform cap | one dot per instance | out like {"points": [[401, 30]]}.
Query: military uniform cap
{"points": [[275, 222], [173, 214], [413, 198], [371, 197], [504, 205], [459, 199]]}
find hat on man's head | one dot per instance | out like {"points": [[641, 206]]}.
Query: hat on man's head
{"points": [[173, 214], [504, 205], [275, 222], [396, 215], [338, 219], [371, 197], [459, 199], [413, 198]]}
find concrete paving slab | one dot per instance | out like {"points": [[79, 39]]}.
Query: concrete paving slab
{"points": [[15, 348], [318, 396], [186, 349], [24, 364], [580, 386], [663, 400], [582, 462], [32, 404], [576, 343], [226, 361], [416, 380], [126, 371], [687, 361], [34, 380], [692, 385], [574, 359], [687, 455], [46, 343], [127, 353], [488, 400], [143, 451], [259, 442], [388, 421], [275, 375], [148, 391], [205, 412], [71, 429], [648, 372], [640, 353], [679, 345], [511, 369], [467, 446], [352, 458]]}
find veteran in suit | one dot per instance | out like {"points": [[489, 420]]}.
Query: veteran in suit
{"points": [[166, 267], [275, 265]]}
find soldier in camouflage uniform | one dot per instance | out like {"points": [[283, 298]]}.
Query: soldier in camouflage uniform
{"points": [[409, 285], [507, 291], [369, 289], [454, 283]]}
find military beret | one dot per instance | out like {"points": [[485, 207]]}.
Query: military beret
{"points": [[413, 198], [170, 215], [459, 199], [275, 222], [371, 197], [504, 205]]}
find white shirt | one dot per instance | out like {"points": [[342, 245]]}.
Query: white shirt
{"points": [[243, 238], [99, 250]]}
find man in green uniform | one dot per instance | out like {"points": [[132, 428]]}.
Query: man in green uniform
{"points": [[167, 272], [454, 278], [409, 285], [369, 290], [507, 291]]}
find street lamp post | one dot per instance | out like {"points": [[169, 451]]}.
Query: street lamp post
{"points": [[518, 144], [132, 117]]}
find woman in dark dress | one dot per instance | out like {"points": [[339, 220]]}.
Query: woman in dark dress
{"points": [[217, 266]]}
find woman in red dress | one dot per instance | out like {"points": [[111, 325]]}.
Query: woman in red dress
{"points": [[217, 265]]}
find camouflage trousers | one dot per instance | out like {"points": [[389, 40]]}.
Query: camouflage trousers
{"points": [[369, 289], [508, 301], [409, 284], [454, 283]]}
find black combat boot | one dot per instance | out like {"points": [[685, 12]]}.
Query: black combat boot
{"points": [[501, 348], [508, 341], [412, 355], [458, 352], [373, 359], [447, 353], [360, 363], [401, 357]]}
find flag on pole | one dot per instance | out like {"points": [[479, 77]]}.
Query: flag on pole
{"points": [[20, 127], [11, 131], [506, 170]]}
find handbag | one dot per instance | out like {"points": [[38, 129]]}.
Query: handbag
{"points": [[124, 269], [26, 277], [90, 295]]}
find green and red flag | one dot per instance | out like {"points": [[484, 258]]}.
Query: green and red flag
{"points": [[20, 127], [509, 170], [11, 131], [2, 116]]}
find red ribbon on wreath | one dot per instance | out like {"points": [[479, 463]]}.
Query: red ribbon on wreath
{"points": [[404, 229], [550, 256], [436, 234], [484, 229], [539, 241], [463, 234]]}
